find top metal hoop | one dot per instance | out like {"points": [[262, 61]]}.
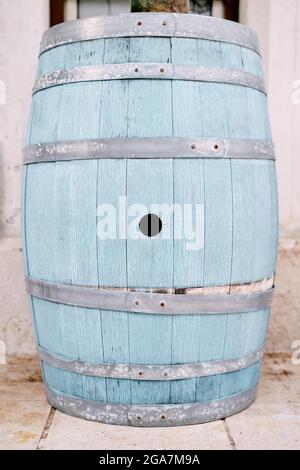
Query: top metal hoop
{"points": [[150, 24]]}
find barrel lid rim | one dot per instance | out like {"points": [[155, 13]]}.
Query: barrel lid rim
{"points": [[82, 22]]}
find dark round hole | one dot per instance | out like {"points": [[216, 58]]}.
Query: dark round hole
{"points": [[139, 23], [138, 417], [136, 69], [216, 147], [162, 304], [163, 417], [140, 373], [165, 374], [193, 146], [164, 23], [137, 302], [162, 70], [150, 225]]}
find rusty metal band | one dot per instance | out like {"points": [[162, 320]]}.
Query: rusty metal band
{"points": [[138, 148], [151, 415], [142, 302], [150, 372], [154, 71], [150, 25]]}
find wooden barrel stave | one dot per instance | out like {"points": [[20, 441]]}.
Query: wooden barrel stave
{"points": [[202, 338], [70, 254], [54, 318], [200, 390], [232, 170], [122, 50]]}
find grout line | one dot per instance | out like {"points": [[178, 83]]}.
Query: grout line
{"points": [[229, 435], [46, 428]]}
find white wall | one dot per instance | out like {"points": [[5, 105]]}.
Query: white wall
{"points": [[277, 23], [22, 23], [104, 7]]}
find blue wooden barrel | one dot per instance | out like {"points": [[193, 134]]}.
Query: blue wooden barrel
{"points": [[160, 117]]}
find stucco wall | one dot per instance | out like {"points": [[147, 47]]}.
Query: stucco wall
{"points": [[22, 23], [277, 23]]}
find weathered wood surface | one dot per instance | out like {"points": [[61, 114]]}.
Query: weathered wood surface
{"points": [[173, 6], [60, 217]]}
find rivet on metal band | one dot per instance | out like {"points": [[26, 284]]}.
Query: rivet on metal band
{"points": [[141, 302], [151, 415], [149, 71], [150, 372], [152, 25], [173, 147]]}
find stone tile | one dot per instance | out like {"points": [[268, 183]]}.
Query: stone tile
{"points": [[20, 369], [22, 418], [280, 382], [273, 422], [24, 409], [67, 432], [284, 322], [20, 380], [266, 427], [22, 392], [15, 320]]}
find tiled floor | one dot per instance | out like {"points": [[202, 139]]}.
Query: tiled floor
{"points": [[27, 421]]}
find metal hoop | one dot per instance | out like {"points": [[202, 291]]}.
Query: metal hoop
{"points": [[151, 372], [172, 147], [141, 302], [150, 25], [158, 71], [151, 415]]}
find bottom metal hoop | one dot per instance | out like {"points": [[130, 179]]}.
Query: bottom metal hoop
{"points": [[151, 415]]}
